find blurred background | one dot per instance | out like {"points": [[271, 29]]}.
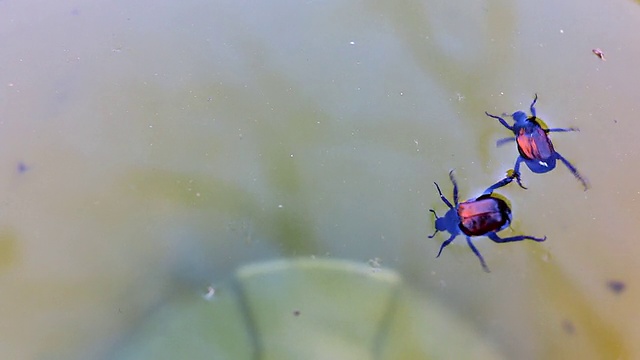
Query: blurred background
{"points": [[150, 148]]}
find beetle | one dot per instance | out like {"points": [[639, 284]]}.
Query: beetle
{"points": [[534, 145], [483, 216]]}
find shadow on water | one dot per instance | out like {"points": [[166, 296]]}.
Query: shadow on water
{"points": [[284, 227]]}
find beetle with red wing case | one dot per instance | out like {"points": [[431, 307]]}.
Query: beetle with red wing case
{"points": [[534, 145], [483, 216]]}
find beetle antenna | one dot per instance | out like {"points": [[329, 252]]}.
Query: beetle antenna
{"points": [[434, 234], [434, 213]]}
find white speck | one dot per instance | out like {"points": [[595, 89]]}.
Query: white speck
{"points": [[352, 43], [291, 155], [561, 31], [543, 163], [280, 206], [211, 292], [375, 264]]}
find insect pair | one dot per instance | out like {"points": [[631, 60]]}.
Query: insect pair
{"points": [[490, 213]]}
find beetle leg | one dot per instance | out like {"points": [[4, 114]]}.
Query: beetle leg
{"points": [[444, 199], [445, 244], [493, 236], [435, 232], [503, 141], [475, 251], [516, 172], [499, 184], [574, 171], [455, 188], [532, 107], [561, 130], [502, 121]]}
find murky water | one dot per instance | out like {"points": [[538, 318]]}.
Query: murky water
{"points": [[152, 148]]}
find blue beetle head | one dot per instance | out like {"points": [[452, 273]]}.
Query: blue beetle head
{"points": [[519, 117], [441, 224]]}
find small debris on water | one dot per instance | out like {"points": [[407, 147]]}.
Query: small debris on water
{"points": [[599, 53]]}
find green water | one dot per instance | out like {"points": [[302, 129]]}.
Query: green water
{"points": [[168, 143]]}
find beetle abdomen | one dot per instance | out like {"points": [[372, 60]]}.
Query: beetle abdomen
{"points": [[483, 215]]}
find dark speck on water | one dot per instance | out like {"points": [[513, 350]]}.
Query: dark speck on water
{"points": [[616, 286], [568, 327], [22, 167]]}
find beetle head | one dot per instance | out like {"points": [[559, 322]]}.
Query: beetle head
{"points": [[519, 117], [449, 222], [441, 224]]}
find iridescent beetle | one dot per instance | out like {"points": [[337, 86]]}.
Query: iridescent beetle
{"points": [[534, 145], [482, 216]]}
